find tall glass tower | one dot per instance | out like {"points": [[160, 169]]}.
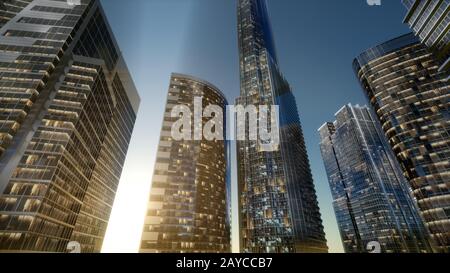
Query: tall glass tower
{"points": [[188, 207], [371, 197], [67, 112], [411, 99], [278, 208], [430, 19]]}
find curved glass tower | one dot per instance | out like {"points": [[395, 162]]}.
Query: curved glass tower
{"points": [[188, 206], [278, 208], [411, 98]]}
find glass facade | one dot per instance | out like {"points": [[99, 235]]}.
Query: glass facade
{"points": [[430, 21], [188, 208], [372, 200], [411, 99], [9, 9], [278, 208], [68, 110]]}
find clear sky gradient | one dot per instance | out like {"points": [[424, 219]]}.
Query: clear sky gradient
{"points": [[316, 42]]}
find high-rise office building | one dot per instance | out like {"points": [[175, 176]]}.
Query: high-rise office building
{"points": [[278, 208], [430, 21], [188, 208], [412, 102], [371, 198], [68, 107]]}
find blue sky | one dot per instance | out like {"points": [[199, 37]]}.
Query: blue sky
{"points": [[316, 42]]}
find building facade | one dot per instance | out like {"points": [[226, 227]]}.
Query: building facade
{"points": [[411, 99], [188, 207], [371, 198], [68, 107], [278, 208], [430, 21]]}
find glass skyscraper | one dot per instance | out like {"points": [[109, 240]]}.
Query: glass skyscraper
{"points": [[371, 198], [430, 20], [188, 210], [278, 208], [67, 112], [411, 99]]}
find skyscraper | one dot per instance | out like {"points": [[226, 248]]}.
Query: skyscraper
{"points": [[68, 107], [188, 208], [371, 197], [278, 208], [412, 102], [430, 20]]}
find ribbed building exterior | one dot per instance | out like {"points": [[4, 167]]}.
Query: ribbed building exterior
{"points": [[411, 100], [430, 21], [371, 198], [278, 208], [67, 112], [188, 209]]}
